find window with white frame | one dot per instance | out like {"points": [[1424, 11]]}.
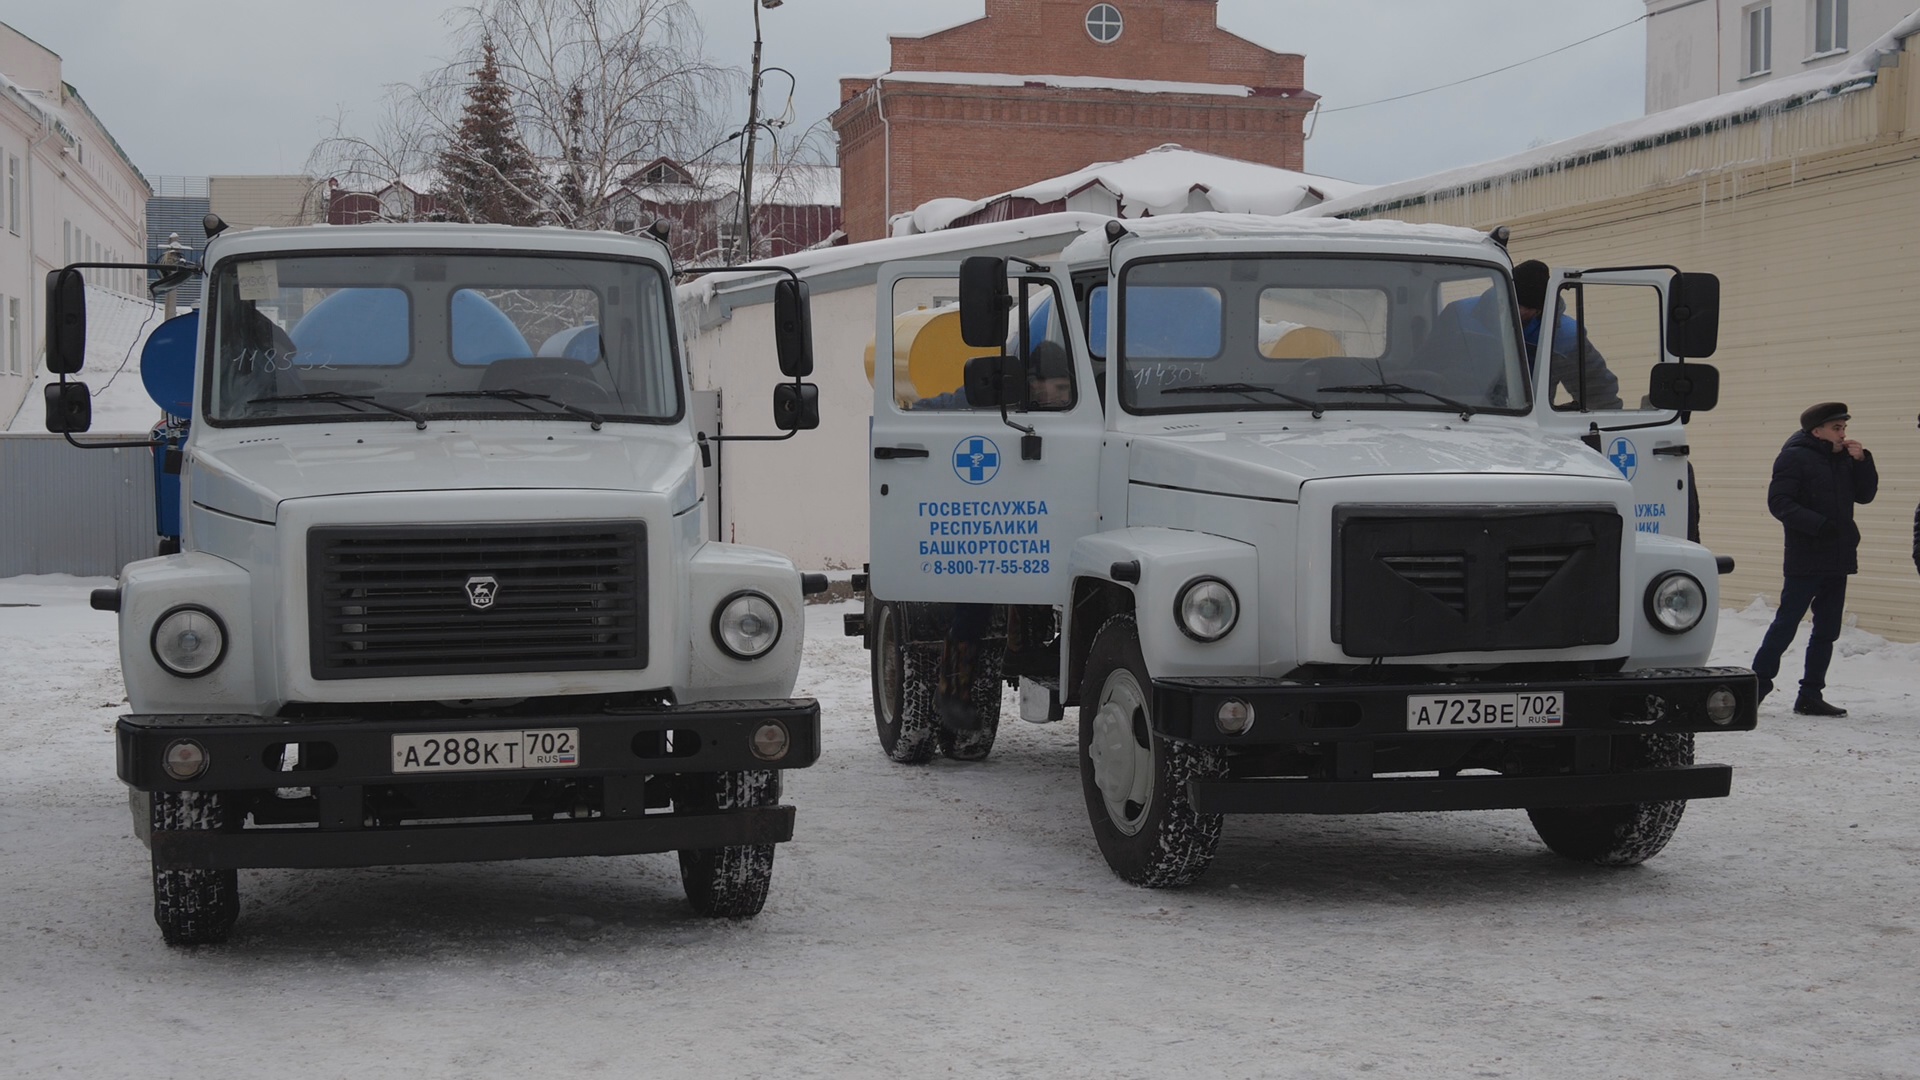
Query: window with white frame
{"points": [[1105, 24], [66, 242], [13, 194], [1757, 29], [1829, 30], [14, 359]]}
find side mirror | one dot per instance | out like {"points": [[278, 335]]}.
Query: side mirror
{"points": [[1693, 316], [66, 322], [793, 328], [69, 408], [796, 406], [993, 381], [984, 302], [1684, 388]]}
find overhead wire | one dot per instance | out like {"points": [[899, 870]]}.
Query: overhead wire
{"points": [[1485, 74]]}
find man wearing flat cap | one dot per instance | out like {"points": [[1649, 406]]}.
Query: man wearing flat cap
{"points": [[1818, 477]]}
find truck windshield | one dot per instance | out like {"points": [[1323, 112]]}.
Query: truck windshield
{"points": [[397, 336], [1318, 333]]}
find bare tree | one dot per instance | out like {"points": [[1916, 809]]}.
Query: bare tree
{"points": [[600, 88]]}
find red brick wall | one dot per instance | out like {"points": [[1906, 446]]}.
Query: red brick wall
{"points": [[973, 141]]}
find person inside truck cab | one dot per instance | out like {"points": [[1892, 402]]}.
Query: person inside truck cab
{"points": [[1602, 386], [1049, 383]]}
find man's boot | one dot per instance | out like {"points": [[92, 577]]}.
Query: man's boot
{"points": [[1815, 705]]}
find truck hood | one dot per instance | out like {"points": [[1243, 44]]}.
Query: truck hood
{"points": [[1274, 461], [249, 477]]}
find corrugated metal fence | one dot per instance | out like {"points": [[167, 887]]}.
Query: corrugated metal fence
{"points": [[70, 511]]}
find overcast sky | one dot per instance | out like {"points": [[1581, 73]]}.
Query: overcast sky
{"points": [[213, 87]]}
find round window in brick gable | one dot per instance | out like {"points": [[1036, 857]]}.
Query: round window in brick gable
{"points": [[1104, 23]]}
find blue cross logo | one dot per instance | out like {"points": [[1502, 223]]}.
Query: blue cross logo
{"points": [[976, 460], [1624, 458]]}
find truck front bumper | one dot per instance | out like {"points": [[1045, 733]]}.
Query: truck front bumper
{"points": [[341, 758], [1350, 720]]}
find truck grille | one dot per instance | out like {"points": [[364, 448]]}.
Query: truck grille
{"points": [[1416, 581], [385, 602]]}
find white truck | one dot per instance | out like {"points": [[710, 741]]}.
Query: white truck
{"points": [[1308, 532], [443, 589]]}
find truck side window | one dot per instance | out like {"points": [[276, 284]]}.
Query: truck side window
{"points": [[929, 361]]}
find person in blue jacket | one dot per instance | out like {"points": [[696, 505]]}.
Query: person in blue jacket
{"points": [[1603, 387], [1817, 479]]}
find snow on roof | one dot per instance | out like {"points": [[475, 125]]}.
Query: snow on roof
{"points": [[117, 329], [1092, 246], [1858, 72], [1161, 182], [1064, 82], [818, 262]]}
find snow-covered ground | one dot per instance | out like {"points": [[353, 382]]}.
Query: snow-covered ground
{"points": [[957, 920]]}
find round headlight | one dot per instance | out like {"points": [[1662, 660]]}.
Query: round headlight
{"points": [[746, 625], [771, 741], [1207, 609], [1676, 602], [189, 641], [184, 760], [1721, 705], [1234, 718]]}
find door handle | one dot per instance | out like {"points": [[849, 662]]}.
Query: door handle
{"points": [[891, 453], [1683, 450]]}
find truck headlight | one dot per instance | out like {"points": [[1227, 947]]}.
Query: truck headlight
{"points": [[189, 641], [1676, 602], [746, 625], [1207, 609]]}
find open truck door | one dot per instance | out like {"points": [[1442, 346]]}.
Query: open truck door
{"points": [[986, 435], [1611, 362]]}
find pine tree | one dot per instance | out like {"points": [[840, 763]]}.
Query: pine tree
{"points": [[487, 173]]}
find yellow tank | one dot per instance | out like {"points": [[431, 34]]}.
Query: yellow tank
{"points": [[929, 359], [1302, 343]]}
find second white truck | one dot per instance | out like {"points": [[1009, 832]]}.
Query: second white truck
{"points": [[1306, 529]]}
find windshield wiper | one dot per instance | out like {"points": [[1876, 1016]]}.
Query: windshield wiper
{"points": [[1248, 388], [1466, 411], [522, 397], [349, 400]]}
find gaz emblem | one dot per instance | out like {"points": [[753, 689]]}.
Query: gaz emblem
{"points": [[481, 591]]}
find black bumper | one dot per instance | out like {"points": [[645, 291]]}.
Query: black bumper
{"points": [[1285, 712], [1350, 721], [341, 758]]}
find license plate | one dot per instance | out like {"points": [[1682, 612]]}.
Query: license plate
{"points": [[1473, 712], [486, 751]]}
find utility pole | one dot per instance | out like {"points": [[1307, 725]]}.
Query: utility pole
{"points": [[745, 249]]}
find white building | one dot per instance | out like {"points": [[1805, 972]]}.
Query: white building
{"points": [[1697, 49], [68, 193]]}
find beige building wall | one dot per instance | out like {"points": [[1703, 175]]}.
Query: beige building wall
{"points": [[1811, 218], [246, 202]]}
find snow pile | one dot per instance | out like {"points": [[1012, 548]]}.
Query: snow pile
{"points": [[117, 329], [1169, 179]]}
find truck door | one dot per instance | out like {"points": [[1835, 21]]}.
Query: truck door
{"points": [[1616, 320], [968, 506]]}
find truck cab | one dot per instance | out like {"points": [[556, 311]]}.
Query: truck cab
{"points": [[1312, 530], [444, 591]]}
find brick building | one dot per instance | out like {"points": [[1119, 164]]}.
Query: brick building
{"points": [[1039, 88]]}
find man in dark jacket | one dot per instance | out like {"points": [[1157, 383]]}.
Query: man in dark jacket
{"points": [[1818, 477]]}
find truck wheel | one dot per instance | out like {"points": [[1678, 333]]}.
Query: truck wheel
{"points": [[903, 677], [193, 907], [1135, 782], [1623, 835], [976, 744], [728, 882]]}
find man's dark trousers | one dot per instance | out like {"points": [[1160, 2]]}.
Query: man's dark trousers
{"points": [[1827, 595]]}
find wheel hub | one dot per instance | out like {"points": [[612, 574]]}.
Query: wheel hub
{"points": [[1122, 767]]}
